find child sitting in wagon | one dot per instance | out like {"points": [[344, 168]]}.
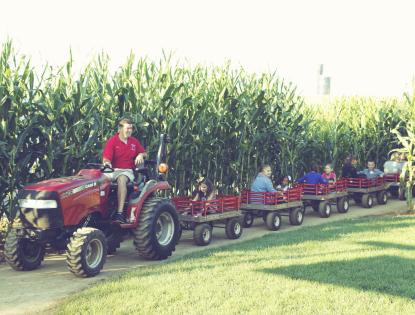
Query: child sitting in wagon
{"points": [[371, 172], [205, 191], [314, 177], [329, 174], [285, 184]]}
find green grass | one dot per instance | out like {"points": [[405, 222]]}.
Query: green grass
{"points": [[361, 266]]}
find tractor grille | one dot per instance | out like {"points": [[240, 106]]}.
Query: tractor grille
{"points": [[44, 218]]}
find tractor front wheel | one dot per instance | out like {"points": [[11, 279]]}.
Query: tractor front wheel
{"points": [[157, 232], [86, 253], [22, 253]]}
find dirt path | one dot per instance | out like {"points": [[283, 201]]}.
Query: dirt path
{"points": [[36, 291]]}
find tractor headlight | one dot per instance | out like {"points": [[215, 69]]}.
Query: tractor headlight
{"points": [[38, 204]]}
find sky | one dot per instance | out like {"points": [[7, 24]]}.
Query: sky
{"points": [[367, 47]]}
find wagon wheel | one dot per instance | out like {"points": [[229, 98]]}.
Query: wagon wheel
{"points": [[248, 220], [382, 197], [343, 205], [233, 228], [367, 201], [296, 216], [273, 221], [324, 210], [202, 235]]}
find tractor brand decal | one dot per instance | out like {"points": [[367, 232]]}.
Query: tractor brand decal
{"points": [[77, 190]]}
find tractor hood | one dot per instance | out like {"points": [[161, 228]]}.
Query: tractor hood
{"points": [[59, 202], [84, 179]]}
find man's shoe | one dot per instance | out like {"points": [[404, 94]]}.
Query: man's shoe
{"points": [[119, 217]]}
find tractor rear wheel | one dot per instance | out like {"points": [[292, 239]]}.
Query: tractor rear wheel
{"points": [[343, 205], [22, 253], [157, 233], [296, 216], [248, 220], [202, 234], [324, 209], [87, 252], [233, 228]]}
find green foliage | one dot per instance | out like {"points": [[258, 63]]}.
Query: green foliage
{"points": [[406, 140], [224, 122]]}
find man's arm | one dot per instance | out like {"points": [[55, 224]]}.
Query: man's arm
{"points": [[108, 153], [301, 180], [269, 186], [142, 154]]}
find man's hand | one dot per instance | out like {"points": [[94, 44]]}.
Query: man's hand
{"points": [[139, 159], [107, 164]]}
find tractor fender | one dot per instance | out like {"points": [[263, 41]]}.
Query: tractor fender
{"points": [[135, 204]]}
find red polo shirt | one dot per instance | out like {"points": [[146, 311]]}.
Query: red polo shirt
{"points": [[122, 155]]}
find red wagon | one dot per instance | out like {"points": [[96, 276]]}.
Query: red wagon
{"points": [[364, 190], [321, 196], [202, 216], [271, 206]]}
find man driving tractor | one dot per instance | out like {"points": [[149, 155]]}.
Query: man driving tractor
{"points": [[122, 152]]}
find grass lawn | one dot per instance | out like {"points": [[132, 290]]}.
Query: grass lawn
{"points": [[364, 266]]}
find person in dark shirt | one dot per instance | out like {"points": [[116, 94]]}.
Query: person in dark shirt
{"points": [[349, 168], [205, 190], [314, 177]]}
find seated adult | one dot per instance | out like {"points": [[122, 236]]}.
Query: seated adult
{"points": [[263, 184], [123, 152]]}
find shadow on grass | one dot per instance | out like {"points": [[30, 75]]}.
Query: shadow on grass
{"points": [[384, 274], [388, 245], [240, 253], [325, 232]]}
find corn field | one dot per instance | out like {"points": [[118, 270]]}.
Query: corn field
{"points": [[224, 122]]}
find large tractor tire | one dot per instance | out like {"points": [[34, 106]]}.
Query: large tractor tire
{"points": [[343, 205], [296, 216], [324, 209], [87, 252], [202, 234], [233, 228], [157, 233], [23, 254]]}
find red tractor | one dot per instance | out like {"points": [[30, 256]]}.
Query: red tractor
{"points": [[74, 214]]}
